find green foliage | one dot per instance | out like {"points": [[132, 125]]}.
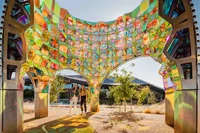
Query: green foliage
{"points": [[57, 86], [102, 94], [126, 90], [146, 96], [28, 93], [115, 93], [152, 98], [143, 95]]}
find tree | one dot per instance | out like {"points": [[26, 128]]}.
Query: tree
{"points": [[151, 98], [102, 94], [126, 90], [142, 96], [28, 94], [57, 86], [146, 96]]}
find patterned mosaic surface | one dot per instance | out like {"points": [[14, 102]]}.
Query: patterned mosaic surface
{"points": [[58, 40]]}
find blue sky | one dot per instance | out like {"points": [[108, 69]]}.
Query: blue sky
{"points": [[106, 10]]}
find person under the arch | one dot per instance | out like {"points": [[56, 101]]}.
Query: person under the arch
{"points": [[74, 99], [83, 95]]}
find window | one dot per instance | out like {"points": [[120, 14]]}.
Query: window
{"points": [[187, 70], [21, 13], [173, 8], [180, 47], [14, 47], [11, 72]]}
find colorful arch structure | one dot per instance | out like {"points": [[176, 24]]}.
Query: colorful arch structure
{"points": [[39, 38]]}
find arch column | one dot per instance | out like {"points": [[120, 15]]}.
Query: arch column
{"points": [[169, 107], [164, 71], [41, 98], [94, 90], [12, 100]]}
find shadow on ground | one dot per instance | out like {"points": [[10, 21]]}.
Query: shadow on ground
{"points": [[31, 119], [75, 124]]}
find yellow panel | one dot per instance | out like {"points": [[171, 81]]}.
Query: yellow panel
{"points": [[144, 6], [37, 59]]}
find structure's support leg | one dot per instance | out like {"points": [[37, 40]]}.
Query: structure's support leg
{"points": [[169, 108], [41, 98], [1, 110], [198, 111], [41, 104], [12, 111], [185, 111], [94, 106]]}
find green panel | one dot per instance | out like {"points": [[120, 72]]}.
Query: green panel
{"points": [[135, 12], [28, 8], [57, 9], [48, 3], [55, 19]]}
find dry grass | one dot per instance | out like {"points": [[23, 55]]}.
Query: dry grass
{"points": [[154, 109], [108, 126], [158, 112], [122, 116], [147, 111], [28, 111]]}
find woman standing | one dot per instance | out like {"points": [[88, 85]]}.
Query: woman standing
{"points": [[83, 98], [74, 98]]}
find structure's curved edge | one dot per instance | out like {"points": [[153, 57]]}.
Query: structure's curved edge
{"points": [[3, 8], [195, 7], [128, 14]]}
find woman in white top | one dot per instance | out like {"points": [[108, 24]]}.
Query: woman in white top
{"points": [[74, 98]]}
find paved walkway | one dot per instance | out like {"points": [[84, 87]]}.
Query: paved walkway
{"points": [[104, 121], [56, 115], [75, 124]]}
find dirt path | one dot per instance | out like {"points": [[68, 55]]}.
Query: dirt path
{"points": [[110, 122]]}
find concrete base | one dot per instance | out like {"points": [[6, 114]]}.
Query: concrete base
{"points": [[169, 108], [185, 113], [12, 111], [41, 104]]}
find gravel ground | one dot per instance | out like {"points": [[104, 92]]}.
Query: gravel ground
{"points": [[109, 121]]}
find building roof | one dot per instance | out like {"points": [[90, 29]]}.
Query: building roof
{"points": [[107, 82]]}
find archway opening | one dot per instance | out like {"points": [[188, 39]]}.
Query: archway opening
{"points": [[145, 71], [61, 106], [28, 98], [71, 79]]}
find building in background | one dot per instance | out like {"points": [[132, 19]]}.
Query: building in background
{"points": [[72, 80]]}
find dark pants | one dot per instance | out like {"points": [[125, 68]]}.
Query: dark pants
{"points": [[83, 101]]}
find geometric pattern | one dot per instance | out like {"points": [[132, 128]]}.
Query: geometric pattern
{"points": [[58, 40]]}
